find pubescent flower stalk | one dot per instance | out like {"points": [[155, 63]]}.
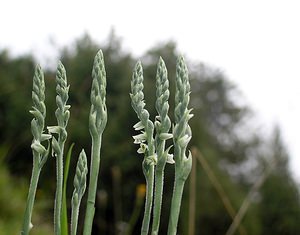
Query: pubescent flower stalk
{"points": [[40, 153], [79, 189], [181, 137], [162, 126], [138, 104], [62, 114], [97, 123]]}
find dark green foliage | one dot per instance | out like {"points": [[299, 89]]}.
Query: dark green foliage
{"points": [[280, 202]]}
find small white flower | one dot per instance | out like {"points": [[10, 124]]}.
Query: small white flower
{"points": [[143, 148], [36, 146], [170, 158], [183, 141], [140, 138], [165, 136], [152, 159], [190, 114], [45, 137], [157, 124], [157, 118], [138, 126], [53, 129]]}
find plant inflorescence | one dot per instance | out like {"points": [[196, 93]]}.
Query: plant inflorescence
{"points": [[151, 140], [155, 154]]}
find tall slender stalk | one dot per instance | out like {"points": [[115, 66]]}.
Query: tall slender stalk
{"points": [[97, 123], [181, 137], [192, 197], [150, 158], [62, 114], [79, 189], [40, 153], [162, 126], [64, 209]]}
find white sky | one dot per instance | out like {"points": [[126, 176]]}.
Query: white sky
{"points": [[255, 42]]}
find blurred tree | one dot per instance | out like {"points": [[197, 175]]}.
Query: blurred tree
{"points": [[280, 201], [15, 101], [12, 197]]}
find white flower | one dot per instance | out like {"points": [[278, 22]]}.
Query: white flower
{"points": [[152, 159], [54, 129], [45, 137], [36, 146], [138, 126], [140, 138], [183, 141], [170, 158], [157, 118], [165, 136], [143, 148]]}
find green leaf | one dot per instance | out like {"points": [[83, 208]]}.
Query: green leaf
{"points": [[64, 215]]}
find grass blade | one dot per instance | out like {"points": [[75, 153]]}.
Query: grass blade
{"points": [[64, 214]]}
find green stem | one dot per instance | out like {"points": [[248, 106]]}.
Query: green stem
{"points": [[175, 206], [159, 185], [74, 218], [31, 196], [149, 198], [159, 177], [59, 191], [95, 165]]}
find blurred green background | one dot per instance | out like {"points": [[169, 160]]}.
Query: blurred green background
{"points": [[229, 154]]}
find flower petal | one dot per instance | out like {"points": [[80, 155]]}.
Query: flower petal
{"points": [[183, 141], [165, 136], [138, 126], [53, 129], [140, 138], [170, 158], [143, 148]]}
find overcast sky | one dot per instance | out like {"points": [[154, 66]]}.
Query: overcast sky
{"points": [[256, 42]]}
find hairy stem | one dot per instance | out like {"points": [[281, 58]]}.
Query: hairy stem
{"points": [[58, 194], [149, 198], [175, 206], [159, 184], [31, 197], [94, 170], [74, 219]]}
